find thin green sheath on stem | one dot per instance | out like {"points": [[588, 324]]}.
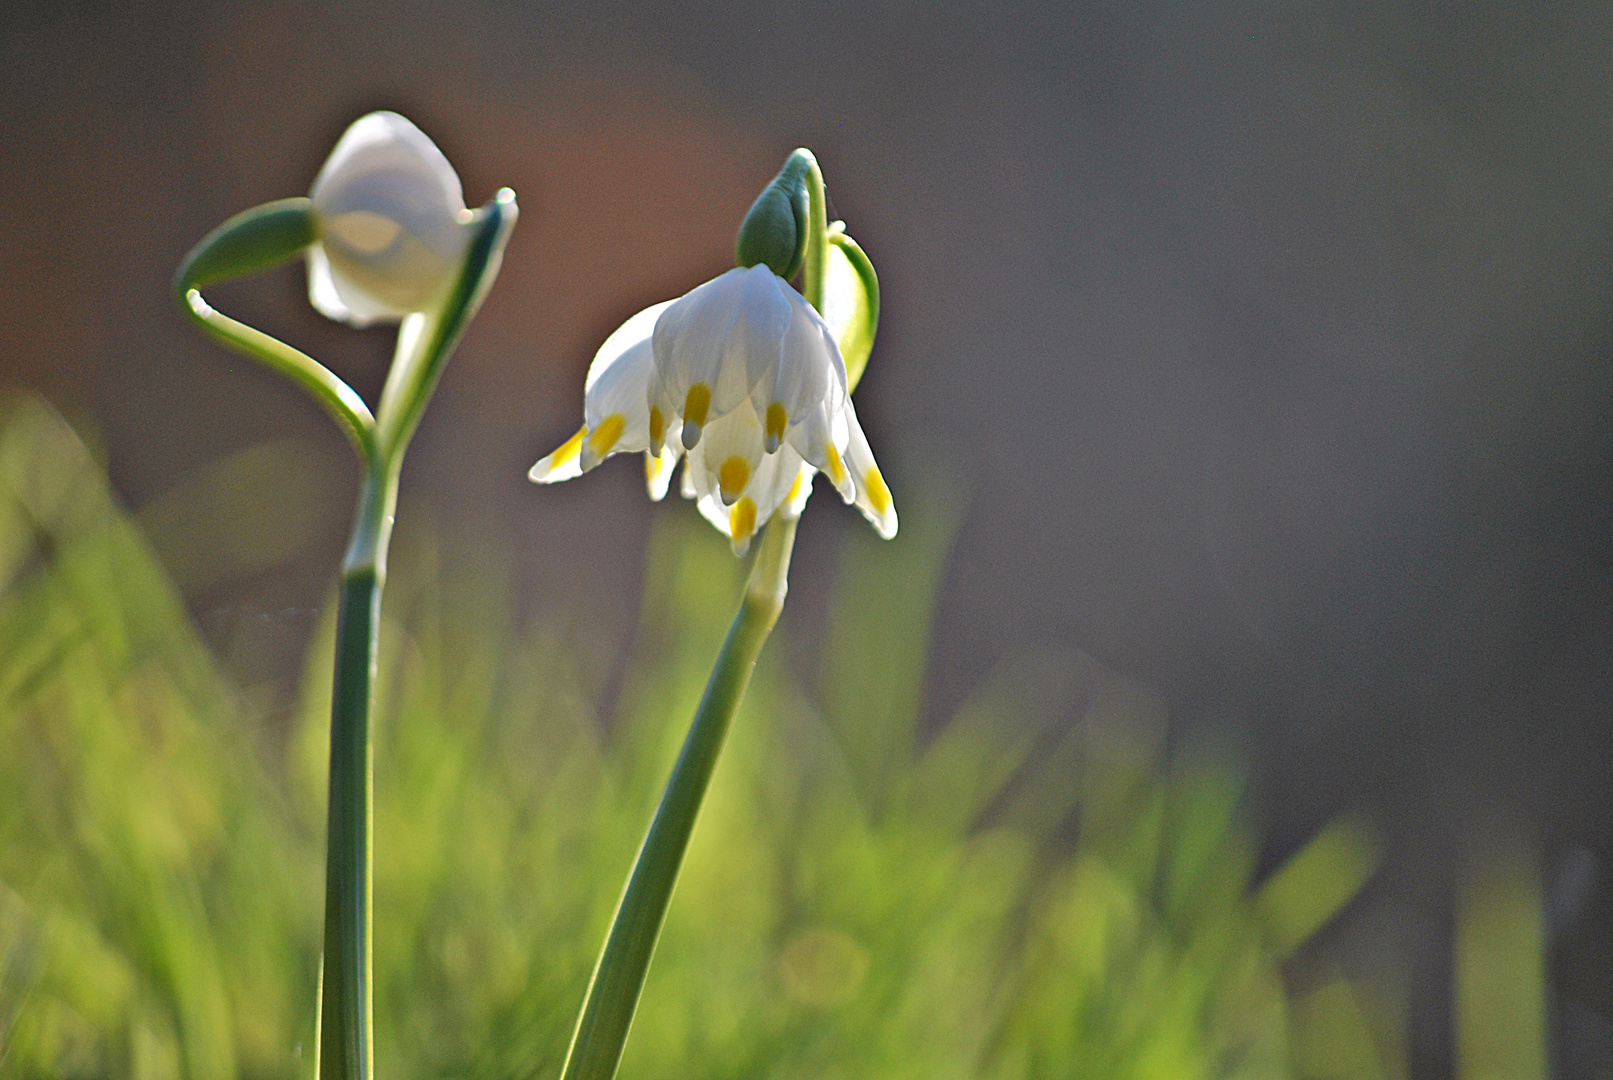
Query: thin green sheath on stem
{"points": [[618, 980]]}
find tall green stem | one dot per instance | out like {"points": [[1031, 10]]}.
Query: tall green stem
{"points": [[254, 240], [613, 993], [346, 1049]]}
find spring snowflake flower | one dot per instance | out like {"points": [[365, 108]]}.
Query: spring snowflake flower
{"points": [[743, 378], [392, 223]]}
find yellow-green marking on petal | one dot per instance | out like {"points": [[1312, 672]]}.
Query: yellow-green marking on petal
{"points": [[364, 231], [695, 406], [602, 439], [543, 472], [879, 496], [837, 468], [777, 421], [732, 478], [742, 521]]}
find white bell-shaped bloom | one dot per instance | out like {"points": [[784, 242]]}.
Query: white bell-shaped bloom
{"points": [[743, 376], [393, 226]]}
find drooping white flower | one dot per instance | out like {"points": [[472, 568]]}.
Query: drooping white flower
{"points": [[392, 223], [745, 378]]}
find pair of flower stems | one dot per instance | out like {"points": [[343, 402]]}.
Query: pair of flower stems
{"points": [[386, 236]]}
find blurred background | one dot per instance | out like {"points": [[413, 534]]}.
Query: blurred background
{"points": [[1256, 362]]}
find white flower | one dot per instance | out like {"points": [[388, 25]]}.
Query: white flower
{"points": [[744, 376], [392, 223]]}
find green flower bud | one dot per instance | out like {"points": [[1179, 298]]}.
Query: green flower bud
{"points": [[774, 232]]}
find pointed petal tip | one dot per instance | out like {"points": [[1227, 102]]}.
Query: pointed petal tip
{"points": [[658, 474], [546, 472], [562, 464]]}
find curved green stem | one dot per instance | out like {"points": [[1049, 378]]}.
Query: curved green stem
{"points": [[337, 398], [254, 240]]}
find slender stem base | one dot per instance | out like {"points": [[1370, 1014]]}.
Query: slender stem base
{"points": [[596, 1047], [346, 1050]]}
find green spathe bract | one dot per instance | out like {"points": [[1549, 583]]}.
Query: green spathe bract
{"points": [[252, 241], [850, 301]]}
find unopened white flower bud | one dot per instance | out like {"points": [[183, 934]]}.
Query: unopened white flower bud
{"points": [[392, 223]]}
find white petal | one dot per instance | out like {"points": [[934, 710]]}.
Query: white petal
{"points": [[731, 452], [783, 484], [392, 220], [873, 497], [658, 471], [691, 469], [821, 436], [756, 338], [796, 496], [615, 407], [809, 367], [715, 512], [322, 291], [562, 464], [689, 335], [633, 332]]}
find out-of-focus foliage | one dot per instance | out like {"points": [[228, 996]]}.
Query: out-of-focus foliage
{"points": [[1501, 964], [1035, 890]]}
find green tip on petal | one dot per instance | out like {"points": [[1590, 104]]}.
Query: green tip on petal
{"points": [[252, 240], [774, 232]]}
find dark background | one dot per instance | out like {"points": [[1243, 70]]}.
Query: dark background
{"points": [[1269, 351]]}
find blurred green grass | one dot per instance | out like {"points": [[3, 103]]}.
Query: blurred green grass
{"points": [[1036, 889]]}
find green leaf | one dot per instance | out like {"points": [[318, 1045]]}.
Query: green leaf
{"points": [[851, 302], [252, 240]]}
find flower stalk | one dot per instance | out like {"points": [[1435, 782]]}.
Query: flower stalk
{"points": [[381, 158], [618, 979]]}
